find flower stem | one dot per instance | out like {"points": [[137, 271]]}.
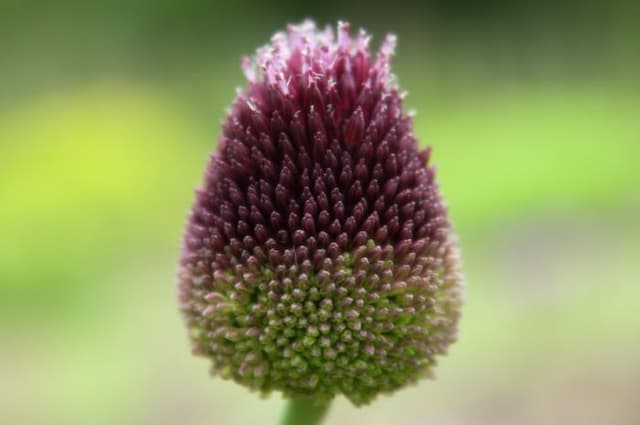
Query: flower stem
{"points": [[304, 411]]}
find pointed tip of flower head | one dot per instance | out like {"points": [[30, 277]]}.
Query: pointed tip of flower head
{"points": [[303, 49], [318, 258]]}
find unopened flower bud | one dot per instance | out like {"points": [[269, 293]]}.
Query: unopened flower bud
{"points": [[318, 258]]}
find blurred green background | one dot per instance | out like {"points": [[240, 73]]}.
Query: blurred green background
{"points": [[108, 111]]}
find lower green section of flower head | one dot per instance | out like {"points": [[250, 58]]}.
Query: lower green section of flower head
{"points": [[357, 324]]}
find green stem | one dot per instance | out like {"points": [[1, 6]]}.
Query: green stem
{"points": [[304, 411]]}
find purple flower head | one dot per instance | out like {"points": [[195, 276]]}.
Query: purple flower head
{"points": [[318, 258]]}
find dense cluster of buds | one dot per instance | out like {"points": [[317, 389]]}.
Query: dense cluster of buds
{"points": [[318, 258]]}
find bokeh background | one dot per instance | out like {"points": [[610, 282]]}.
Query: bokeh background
{"points": [[108, 111]]}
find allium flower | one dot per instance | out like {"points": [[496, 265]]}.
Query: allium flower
{"points": [[318, 258]]}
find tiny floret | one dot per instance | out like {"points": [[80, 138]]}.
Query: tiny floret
{"points": [[318, 259]]}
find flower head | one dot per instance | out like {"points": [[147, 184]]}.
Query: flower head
{"points": [[318, 258]]}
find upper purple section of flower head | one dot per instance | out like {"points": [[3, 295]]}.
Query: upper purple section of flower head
{"points": [[329, 75], [308, 90]]}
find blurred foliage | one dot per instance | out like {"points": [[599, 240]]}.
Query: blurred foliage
{"points": [[108, 111]]}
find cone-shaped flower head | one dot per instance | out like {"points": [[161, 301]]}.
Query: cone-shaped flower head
{"points": [[318, 258]]}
